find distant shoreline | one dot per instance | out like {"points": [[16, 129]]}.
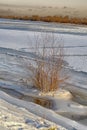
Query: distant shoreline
{"points": [[46, 14], [57, 19]]}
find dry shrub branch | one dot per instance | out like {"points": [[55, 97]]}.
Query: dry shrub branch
{"points": [[47, 73]]}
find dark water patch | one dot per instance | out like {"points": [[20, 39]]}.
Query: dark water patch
{"points": [[38, 100]]}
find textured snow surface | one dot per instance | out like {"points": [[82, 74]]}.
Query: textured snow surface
{"points": [[17, 48], [15, 117]]}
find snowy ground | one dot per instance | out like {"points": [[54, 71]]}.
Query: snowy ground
{"points": [[18, 109], [13, 117]]}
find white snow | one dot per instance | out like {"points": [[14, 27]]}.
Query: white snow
{"points": [[18, 40], [17, 47], [16, 116], [32, 108]]}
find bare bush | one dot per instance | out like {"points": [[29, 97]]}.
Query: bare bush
{"points": [[46, 75]]}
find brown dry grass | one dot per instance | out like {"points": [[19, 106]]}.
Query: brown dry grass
{"points": [[46, 76], [58, 19]]}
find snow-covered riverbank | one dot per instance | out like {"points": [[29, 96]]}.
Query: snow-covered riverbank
{"points": [[17, 49]]}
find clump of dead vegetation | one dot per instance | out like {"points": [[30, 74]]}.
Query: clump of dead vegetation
{"points": [[57, 19], [46, 76]]}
